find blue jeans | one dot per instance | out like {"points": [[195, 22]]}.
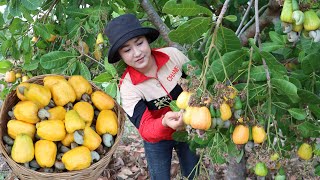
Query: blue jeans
{"points": [[159, 157]]}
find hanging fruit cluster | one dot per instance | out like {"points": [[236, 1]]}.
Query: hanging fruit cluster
{"points": [[14, 75], [62, 125], [295, 22]]}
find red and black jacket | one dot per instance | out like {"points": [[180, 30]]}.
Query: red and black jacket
{"points": [[146, 99]]}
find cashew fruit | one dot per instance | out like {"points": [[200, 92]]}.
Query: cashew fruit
{"points": [[311, 21], [45, 153], [240, 134], [102, 101], [183, 99], [39, 94], [80, 85], [62, 92], [16, 127], [22, 150], [85, 111], [258, 134], [91, 139], [286, 13], [52, 130], [200, 118], [26, 111], [77, 158], [225, 111], [107, 122], [73, 121]]}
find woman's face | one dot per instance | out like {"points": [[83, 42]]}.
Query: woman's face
{"points": [[136, 52]]}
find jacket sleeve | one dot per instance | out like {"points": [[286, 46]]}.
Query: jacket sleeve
{"points": [[149, 127]]}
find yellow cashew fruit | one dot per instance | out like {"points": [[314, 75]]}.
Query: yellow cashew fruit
{"points": [[21, 96], [73, 121], [10, 77], [97, 54], [62, 92], [52, 130], [233, 92], [37, 93], [26, 111], [22, 150], [85, 111], [305, 151], [187, 115], [77, 158], [225, 111], [45, 153], [101, 100], [183, 99], [311, 21], [99, 39], [286, 13], [91, 139], [240, 134], [107, 122], [80, 85], [57, 113], [68, 139], [200, 118], [16, 127], [258, 134]]}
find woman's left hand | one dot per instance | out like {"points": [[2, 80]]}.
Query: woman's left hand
{"points": [[173, 120]]}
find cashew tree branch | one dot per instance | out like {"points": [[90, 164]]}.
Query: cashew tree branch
{"points": [[158, 23], [272, 12]]}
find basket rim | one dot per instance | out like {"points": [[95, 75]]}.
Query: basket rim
{"points": [[102, 163]]}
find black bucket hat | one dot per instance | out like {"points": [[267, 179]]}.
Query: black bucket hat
{"points": [[123, 28]]}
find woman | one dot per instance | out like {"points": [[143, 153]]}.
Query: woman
{"points": [[147, 86]]}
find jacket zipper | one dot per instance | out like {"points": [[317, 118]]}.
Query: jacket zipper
{"points": [[163, 86]]}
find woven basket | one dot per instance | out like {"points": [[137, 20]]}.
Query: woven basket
{"points": [[91, 173]]}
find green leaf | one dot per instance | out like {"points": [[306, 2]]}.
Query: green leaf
{"points": [[25, 45], [273, 65], [110, 88], [73, 26], [110, 69], [5, 66], [15, 26], [190, 31], [185, 8], [308, 46], [41, 30], [31, 4], [315, 109], [231, 18], [33, 65], [227, 41], [77, 12], [317, 170], [103, 77], [55, 59], [14, 8], [310, 63], [174, 107], [84, 71], [231, 60], [180, 136], [308, 97], [307, 129], [286, 88], [271, 46], [299, 114], [258, 73], [276, 38], [5, 46]]}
